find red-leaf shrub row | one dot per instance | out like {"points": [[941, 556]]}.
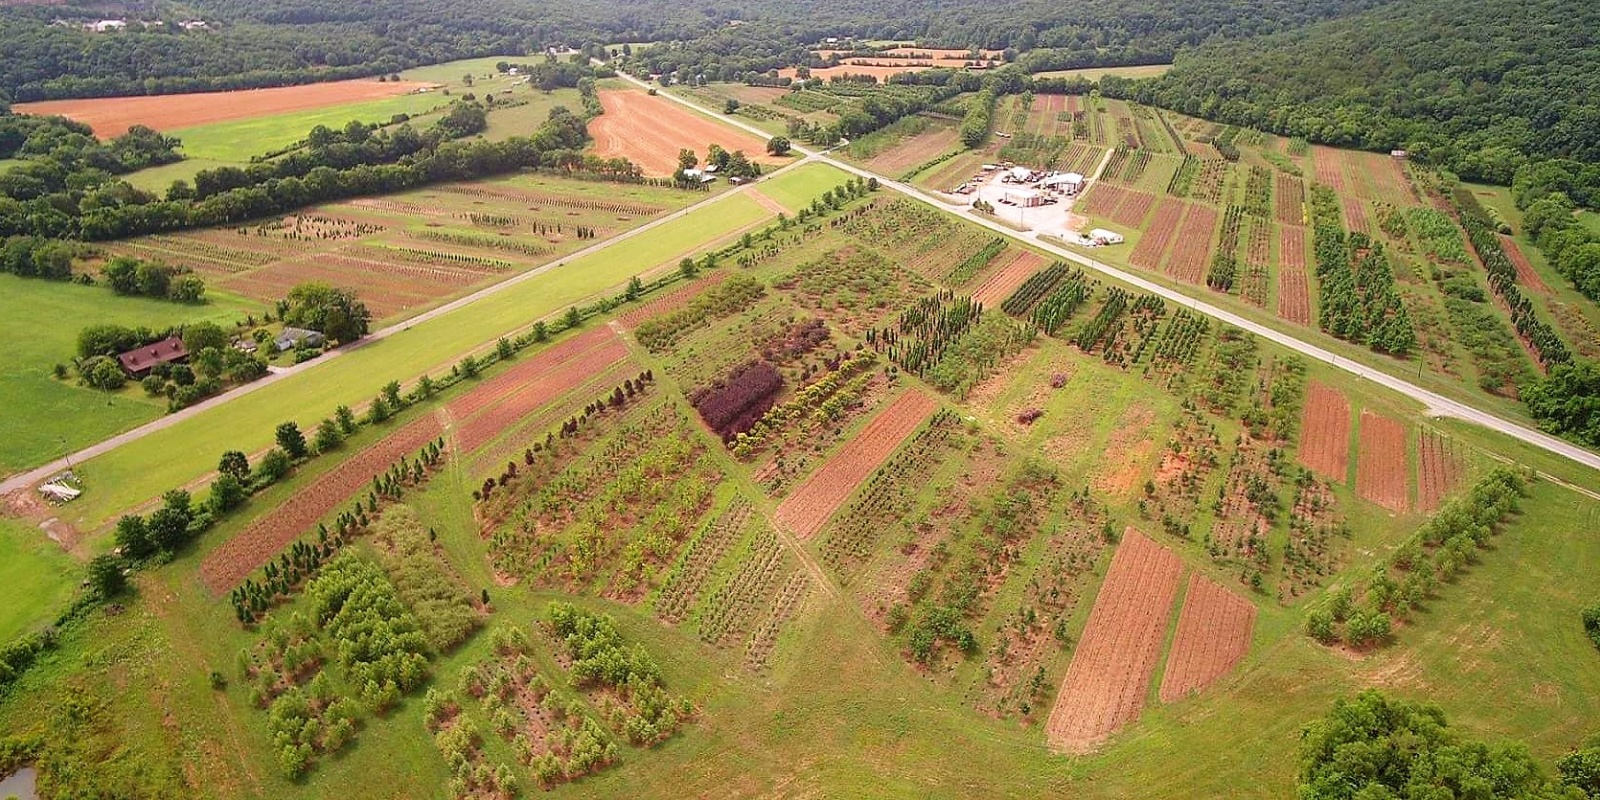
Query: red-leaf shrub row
{"points": [[800, 339], [734, 403]]}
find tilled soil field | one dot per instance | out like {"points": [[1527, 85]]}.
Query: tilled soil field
{"points": [[808, 508], [1325, 432], [1213, 636], [1381, 472], [1110, 675]]}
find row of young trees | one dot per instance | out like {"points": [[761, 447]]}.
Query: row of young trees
{"points": [[382, 162]]}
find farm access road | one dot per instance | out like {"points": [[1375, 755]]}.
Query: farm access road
{"points": [[23, 480], [1438, 405]]}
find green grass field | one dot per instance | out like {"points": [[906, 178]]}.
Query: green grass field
{"points": [[1590, 219], [144, 469], [38, 576], [1096, 73], [39, 321], [234, 143], [796, 188]]}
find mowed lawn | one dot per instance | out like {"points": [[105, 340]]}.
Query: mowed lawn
{"points": [[796, 188], [236, 141], [38, 577], [39, 323], [144, 469]]}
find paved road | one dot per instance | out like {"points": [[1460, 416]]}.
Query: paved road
{"points": [[276, 374], [1437, 404]]}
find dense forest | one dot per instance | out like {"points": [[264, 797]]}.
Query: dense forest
{"points": [[1478, 87], [274, 42]]}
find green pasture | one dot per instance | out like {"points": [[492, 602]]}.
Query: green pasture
{"points": [[796, 188], [176, 455], [38, 577], [39, 322], [1096, 73]]}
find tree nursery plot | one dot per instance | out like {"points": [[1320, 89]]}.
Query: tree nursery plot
{"points": [[820, 486]]}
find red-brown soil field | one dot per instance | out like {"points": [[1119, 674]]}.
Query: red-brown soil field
{"points": [[649, 131], [1007, 278], [1325, 431], [1112, 666], [1382, 475], [914, 151], [1289, 200], [1441, 467], [1213, 636], [1294, 291], [113, 116], [1330, 170], [1525, 272], [497, 404], [262, 540], [1192, 253], [1147, 253], [814, 501]]}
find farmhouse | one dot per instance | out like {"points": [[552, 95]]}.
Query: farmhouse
{"points": [[296, 337], [699, 175], [139, 361]]}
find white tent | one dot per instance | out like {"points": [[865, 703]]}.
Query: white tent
{"points": [[1063, 179], [1104, 236], [56, 491]]}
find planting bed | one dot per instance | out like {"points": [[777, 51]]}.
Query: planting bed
{"points": [[1330, 167], [1441, 469], [649, 131], [1192, 252], [1289, 201], [1294, 290], [1150, 248], [1213, 636], [1005, 279], [260, 541], [498, 404], [808, 508], [1112, 667], [1382, 475], [1526, 275], [1325, 432]]}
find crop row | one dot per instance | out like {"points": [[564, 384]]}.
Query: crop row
{"points": [[1062, 302], [494, 242], [1033, 289], [730, 609], [887, 497], [683, 584]]}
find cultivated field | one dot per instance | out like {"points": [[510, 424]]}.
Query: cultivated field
{"points": [[406, 252], [880, 443], [112, 116], [1213, 635], [649, 131], [1111, 667], [1325, 432]]}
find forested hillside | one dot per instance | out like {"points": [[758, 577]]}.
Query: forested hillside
{"points": [[275, 42], [1479, 86]]}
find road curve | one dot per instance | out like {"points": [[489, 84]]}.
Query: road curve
{"points": [[1437, 404]]}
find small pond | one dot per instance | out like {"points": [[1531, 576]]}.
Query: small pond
{"points": [[19, 784]]}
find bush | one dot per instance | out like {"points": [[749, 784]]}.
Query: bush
{"points": [[272, 467], [1591, 623]]}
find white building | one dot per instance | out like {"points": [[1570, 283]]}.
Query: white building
{"points": [[1025, 198], [1103, 236], [1069, 182]]}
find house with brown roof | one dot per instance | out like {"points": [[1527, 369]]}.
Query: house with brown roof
{"points": [[139, 361]]}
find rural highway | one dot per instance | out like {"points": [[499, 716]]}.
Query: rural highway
{"points": [[24, 480], [1437, 404]]}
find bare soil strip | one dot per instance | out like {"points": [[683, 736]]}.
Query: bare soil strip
{"points": [[1106, 685]]}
